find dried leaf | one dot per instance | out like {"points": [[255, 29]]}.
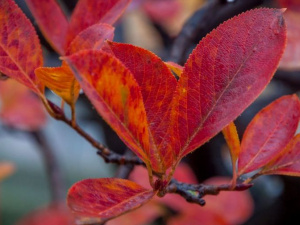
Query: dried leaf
{"points": [[20, 107], [157, 85], [288, 160], [268, 133], [98, 200], [53, 24], [20, 49], [61, 81], [88, 13], [116, 96], [221, 77]]}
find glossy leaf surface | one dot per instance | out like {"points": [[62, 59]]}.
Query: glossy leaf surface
{"points": [[288, 160], [116, 96], [90, 12], [20, 50], [157, 85], [221, 77], [52, 22], [61, 81], [92, 37], [97, 200], [268, 133], [20, 107]]}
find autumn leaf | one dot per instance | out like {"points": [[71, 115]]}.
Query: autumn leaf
{"points": [[157, 85], [20, 107], [268, 133], [20, 49], [290, 4], [53, 24], [115, 94], [287, 162], [88, 13], [177, 69], [97, 200], [221, 77], [92, 37], [61, 81]]}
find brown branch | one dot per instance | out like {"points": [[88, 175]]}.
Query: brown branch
{"points": [[194, 193], [203, 21]]}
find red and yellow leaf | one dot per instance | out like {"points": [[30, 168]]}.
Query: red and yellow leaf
{"points": [[20, 107], [20, 49], [90, 12], [92, 37], [114, 92], [232, 138], [52, 22], [288, 160], [177, 69], [98, 200], [61, 81], [157, 85], [53, 214], [268, 133], [221, 77]]}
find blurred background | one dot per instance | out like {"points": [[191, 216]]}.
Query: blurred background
{"points": [[170, 28]]}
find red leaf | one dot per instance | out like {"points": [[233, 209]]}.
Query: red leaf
{"points": [[290, 4], [20, 108], [20, 50], [88, 13], [221, 77], [98, 200], [177, 69], [52, 22], [157, 85], [116, 96], [53, 214], [92, 37], [268, 133], [287, 162]]}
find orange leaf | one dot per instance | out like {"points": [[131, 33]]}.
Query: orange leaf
{"points": [[232, 138], [20, 108], [20, 50], [98, 200], [92, 37], [61, 81], [221, 77], [268, 133], [88, 13], [52, 22], [157, 85], [177, 69], [288, 160], [116, 96]]}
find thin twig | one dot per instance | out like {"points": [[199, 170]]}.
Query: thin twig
{"points": [[194, 193]]}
